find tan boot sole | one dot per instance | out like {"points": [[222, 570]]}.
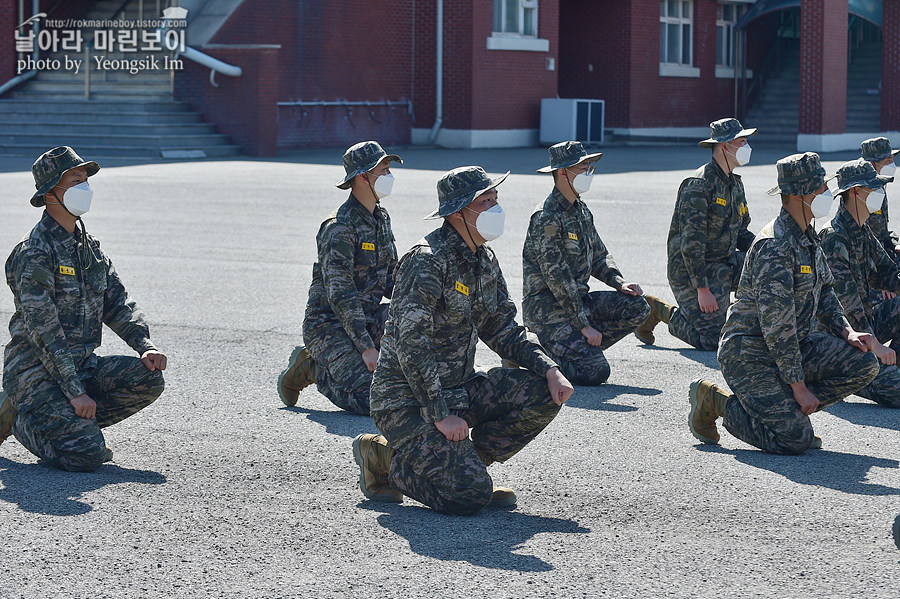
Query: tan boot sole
{"points": [[382, 493], [692, 396]]}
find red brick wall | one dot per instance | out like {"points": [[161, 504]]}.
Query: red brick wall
{"points": [[244, 108], [890, 66], [823, 66], [9, 15]]}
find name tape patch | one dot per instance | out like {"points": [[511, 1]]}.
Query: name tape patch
{"points": [[462, 288], [67, 270], [805, 269], [573, 236], [721, 201], [368, 246]]}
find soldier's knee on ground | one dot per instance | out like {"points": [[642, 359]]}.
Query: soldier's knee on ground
{"points": [[796, 441], [85, 458], [157, 384], [871, 368], [470, 500], [587, 375]]}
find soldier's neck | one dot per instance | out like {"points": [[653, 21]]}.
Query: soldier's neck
{"points": [[859, 214], [565, 188], [798, 211], [722, 161], [364, 194], [62, 216]]}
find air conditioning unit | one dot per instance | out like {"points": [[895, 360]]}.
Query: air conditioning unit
{"points": [[564, 119]]}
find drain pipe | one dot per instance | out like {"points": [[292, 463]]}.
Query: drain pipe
{"points": [[439, 74]]}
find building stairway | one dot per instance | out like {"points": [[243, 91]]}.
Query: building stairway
{"points": [[125, 115]]}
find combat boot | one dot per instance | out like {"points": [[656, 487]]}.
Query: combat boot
{"points": [[659, 312], [300, 373], [503, 497], [373, 456], [817, 442], [707, 405], [7, 417]]}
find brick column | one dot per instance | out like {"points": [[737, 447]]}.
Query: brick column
{"points": [[890, 66], [823, 66]]}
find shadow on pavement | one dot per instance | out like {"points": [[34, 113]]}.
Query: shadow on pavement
{"points": [[707, 358], [40, 489], [867, 414], [489, 539], [595, 398], [337, 422], [845, 472]]}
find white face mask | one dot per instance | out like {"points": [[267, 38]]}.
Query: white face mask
{"points": [[489, 223], [77, 199], [743, 154], [874, 200], [383, 186], [888, 170], [581, 183], [821, 204]]}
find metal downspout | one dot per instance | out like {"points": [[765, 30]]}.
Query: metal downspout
{"points": [[439, 74]]}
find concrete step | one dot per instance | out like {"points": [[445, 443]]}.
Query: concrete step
{"points": [[87, 117], [28, 104], [75, 96], [148, 141], [67, 128], [104, 75], [122, 88], [100, 152]]}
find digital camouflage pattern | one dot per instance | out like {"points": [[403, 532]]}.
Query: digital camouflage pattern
{"points": [[876, 149], [459, 187], [763, 411], [861, 269], [768, 342], [120, 385], [707, 239], [567, 154], [361, 158], [344, 314], [798, 174], [60, 308], [446, 298], [562, 251], [50, 167], [725, 130], [509, 408]]}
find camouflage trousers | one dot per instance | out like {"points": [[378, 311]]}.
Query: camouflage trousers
{"points": [[343, 377], [692, 325], [120, 385], [612, 313], [762, 410], [885, 389], [507, 409]]}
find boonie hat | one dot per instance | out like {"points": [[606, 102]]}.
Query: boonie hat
{"points": [[361, 158], [567, 154], [799, 174], [50, 166], [859, 173], [725, 130], [877, 149], [459, 187]]}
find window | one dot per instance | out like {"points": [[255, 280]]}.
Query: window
{"points": [[675, 37], [726, 16], [516, 17]]}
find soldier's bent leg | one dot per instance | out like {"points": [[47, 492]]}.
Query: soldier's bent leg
{"points": [[351, 391], [579, 361], [508, 408], [887, 322], [885, 389], [122, 386], [616, 314], [834, 369], [763, 411], [52, 431], [692, 325]]}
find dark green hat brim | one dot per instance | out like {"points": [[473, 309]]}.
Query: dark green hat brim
{"points": [[876, 182], [463, 201], [710, 142], [347, 181], [37, 200], [569, 164]]}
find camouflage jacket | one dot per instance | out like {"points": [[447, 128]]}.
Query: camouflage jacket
{"points": [[356, 261], [562, 251], [878, 223], [709, 223], [785, 284], [447, 297], [61, 308], [859, 264]]}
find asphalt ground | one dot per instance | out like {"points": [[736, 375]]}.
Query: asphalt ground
{"points": [[217, 490]]}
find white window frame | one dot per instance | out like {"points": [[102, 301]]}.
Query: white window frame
{"points": [[516, 40], [682, 68], [726, 71]]}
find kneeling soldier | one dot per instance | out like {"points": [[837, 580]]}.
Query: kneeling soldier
{"points": [[426, 394]]}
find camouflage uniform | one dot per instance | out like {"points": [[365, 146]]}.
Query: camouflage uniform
{"points": [[60, 309], [768, 342], [861, 268], [876, 150], [354, 273], [446, 298], [706, 244], [344, 313], [562, 251]]}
